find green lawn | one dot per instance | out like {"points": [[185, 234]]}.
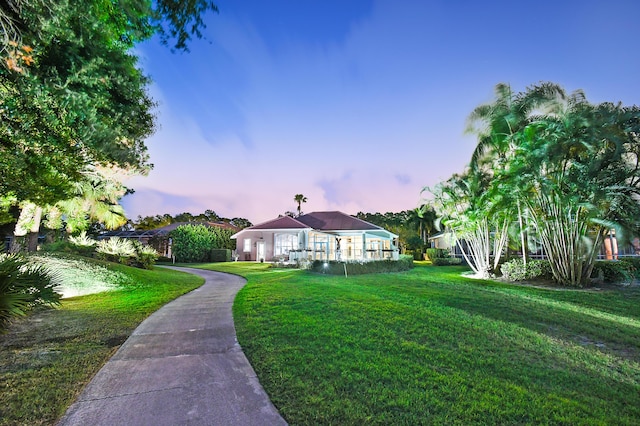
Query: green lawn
{"points": [[429, 346], [48, 357]]}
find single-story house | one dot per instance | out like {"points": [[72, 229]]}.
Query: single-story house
{"points": [[316, 236]]}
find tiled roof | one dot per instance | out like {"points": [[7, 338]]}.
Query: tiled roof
{"points": [[335, 221], [284, 222]]}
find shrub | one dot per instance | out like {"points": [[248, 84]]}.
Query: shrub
{"points": [[514, 270], [614, 271], [22, 286], [116, 249], [193, 243], [358, 268], [82, 240], [145, 257], [68, 247], [221, 255], [635, 262], [437, 253], [446, 261]]}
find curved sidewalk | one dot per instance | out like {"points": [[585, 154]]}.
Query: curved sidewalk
{"points": [[181, 366]]}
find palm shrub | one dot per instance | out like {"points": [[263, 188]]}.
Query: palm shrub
{"points": [[145, 256], [22, 286], [116, 249]]}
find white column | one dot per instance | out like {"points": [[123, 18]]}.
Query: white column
{"points": [[364, 246]]}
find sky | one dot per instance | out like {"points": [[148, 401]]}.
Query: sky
{"points": [[356, 104]]}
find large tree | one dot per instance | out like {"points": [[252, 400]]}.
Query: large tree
{"points": [[71, 94]]}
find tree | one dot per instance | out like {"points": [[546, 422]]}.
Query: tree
{"points": [[95, 198], [497, 126], [471, 216], [569, 168], [578, 174], [299, 198], [71, 94]]}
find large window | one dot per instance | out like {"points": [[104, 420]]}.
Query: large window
{"points": [[247, 245], [284, 243]]}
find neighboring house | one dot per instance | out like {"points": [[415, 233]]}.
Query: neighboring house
{"points": [[159, 238], [316, 236]]}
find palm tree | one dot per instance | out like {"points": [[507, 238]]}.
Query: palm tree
{"points": [[299, 198], [498, 125], [96, 199]]}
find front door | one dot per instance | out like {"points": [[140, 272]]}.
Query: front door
{"points": [[260, 251]]}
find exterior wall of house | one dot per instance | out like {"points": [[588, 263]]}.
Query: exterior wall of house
{"points": [[313, 245]]}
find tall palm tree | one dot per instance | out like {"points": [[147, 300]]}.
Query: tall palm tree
{"points": [[498, 125], [299, 198]]}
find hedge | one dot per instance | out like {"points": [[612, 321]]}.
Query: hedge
{"points": [[404, 263]]}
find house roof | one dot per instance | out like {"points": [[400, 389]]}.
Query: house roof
{"points": [[336, 221], [284, 222], [331, 222]]}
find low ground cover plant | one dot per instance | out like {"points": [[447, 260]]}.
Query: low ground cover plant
{"points": [[429, 346]]}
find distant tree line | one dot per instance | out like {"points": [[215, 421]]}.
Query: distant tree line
{"points": [[160, 220]]}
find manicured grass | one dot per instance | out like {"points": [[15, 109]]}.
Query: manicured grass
{"points": [[429, 346], [48, 357]]}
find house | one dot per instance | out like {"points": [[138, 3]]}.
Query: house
{"points": [[316, 236]]}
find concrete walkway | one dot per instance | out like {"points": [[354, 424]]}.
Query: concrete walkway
{"points": [[181, 366]]}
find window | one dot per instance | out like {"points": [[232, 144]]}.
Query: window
{"points": [[284, 243], [247, 245]]}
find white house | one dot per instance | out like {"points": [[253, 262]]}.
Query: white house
{"points": [[316, 236]]}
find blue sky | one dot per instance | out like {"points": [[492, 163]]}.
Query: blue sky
{"points": [[357, 104]]}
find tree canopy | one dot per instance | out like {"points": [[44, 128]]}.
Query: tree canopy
{"points": [[72, 96]]}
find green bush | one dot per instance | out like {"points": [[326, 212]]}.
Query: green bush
{"points": [[614, 271], [437, 253], [404, 263], [415, 254], [514, 270], [145, 256], [446, 261], [116, 249], [221, 255], [22, 286], [193, 243], [635, 262], [68, 247]]}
